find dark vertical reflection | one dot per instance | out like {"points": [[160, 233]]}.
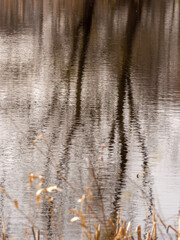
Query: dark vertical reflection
{"points": [[169, 41], [86, 29], [86, 25], [40, 31], [147, 181], [48, 208], [124, 85], [179, 23]]}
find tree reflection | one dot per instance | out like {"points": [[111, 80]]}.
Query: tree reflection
{"points": [[80, 68], [125, 88]]}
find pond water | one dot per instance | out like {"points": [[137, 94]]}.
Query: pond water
{"points": [[99, 82]]}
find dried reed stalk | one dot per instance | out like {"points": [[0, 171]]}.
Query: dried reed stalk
{"points": [[138, 230], [179, 227], [33, 233], [38, 235], [148, 236], [154, 225], [4, 229]]}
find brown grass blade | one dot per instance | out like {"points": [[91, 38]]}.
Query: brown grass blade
{"points": [[4, 229], [38, 235], [16, 203], [38, 193], [154, 226], [148, 236], [172, 229], [33, 177], [33, 233], [74, 219], [52, 188], [179, 227], [97, 233], [138, 230]]}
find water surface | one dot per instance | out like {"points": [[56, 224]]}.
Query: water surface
{"points": [[100, 80]]}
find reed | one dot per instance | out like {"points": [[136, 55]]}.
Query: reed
{"points": [[101, 228]]}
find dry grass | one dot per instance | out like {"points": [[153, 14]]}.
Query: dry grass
{"points": [[102, 227]]}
